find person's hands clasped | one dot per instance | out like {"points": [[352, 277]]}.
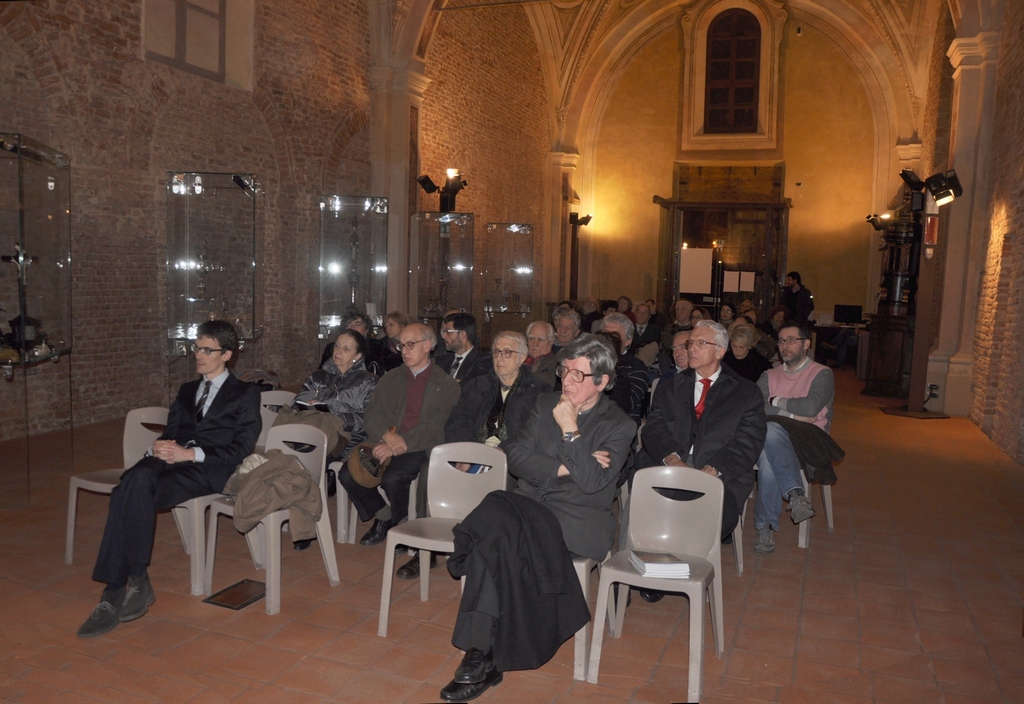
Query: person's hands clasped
{"points": [[391, 444], [171, 452]]}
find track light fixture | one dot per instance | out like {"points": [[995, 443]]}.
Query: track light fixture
{"points": [[453, 183], [943, 187]]}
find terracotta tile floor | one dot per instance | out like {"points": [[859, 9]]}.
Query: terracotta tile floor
{"points": [[916, 597]]}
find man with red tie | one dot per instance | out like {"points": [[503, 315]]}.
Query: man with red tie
{"points": [[709, 418]]}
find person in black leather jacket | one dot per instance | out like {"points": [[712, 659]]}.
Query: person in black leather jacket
{"points": [[341, 386]]}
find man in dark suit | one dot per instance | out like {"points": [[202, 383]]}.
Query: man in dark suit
{"points": [[646, 331], [567, 459], [463, 359], [719, 429], [212, 426]]}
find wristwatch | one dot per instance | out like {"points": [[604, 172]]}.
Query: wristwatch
{"points": [[569, 437]]}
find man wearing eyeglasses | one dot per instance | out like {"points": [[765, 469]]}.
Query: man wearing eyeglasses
{"points": [[212, 426], [708, 417], [463, 359], [405, 416], [803, 390]]}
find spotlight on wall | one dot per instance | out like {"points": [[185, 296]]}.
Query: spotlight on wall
{"points": [[912, 180], [426, 184], [453, 183], [879, 222], [575, 219], [944, 187]]}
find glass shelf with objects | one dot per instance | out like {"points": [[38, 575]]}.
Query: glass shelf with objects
{"points": [[441, 264], [353, 266]]}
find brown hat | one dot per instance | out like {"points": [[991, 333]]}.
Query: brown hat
{"points": [[364, 467]]}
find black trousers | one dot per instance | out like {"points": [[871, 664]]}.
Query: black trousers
{"points": [[150, 486], [395, 482]]}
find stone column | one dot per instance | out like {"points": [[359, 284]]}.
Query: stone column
{"points": [[974, 92], [396, 97], [557, 249]]}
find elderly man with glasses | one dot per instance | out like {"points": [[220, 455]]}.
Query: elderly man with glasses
{"points": [[405, 417], [212, 426], [803, 390], [522, 598], [708, 417]]}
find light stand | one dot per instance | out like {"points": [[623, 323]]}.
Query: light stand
{"points": [[575, 223]]}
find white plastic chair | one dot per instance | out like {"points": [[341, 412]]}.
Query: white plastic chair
{"points": [[451, 495], [136, 441], [688, 529], [270, 403], [267, 534], [804, 536], [348, 517]]}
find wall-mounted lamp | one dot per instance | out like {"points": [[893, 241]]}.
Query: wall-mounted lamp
{"points": [[879, 222], [577, 220], [453, 183], [943, 187]]}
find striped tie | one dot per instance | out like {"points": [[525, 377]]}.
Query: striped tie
{"points": [[202, 401]]}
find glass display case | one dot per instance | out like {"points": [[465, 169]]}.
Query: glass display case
{"points": [[441, 263], [353, 260], [35, 312], [212, 262], [508, 269]]}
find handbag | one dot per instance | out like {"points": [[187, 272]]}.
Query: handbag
{"points": [[365, 469]]}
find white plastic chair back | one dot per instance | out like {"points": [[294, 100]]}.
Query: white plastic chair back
{"points": [[452, 493], [270, 403], [137, 438], [286, 437], [660, 524]]}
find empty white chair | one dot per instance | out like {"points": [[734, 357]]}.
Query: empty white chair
{"points": [[451, 495], [270, 403], [267, 536], [689, 529], [136, 441]]}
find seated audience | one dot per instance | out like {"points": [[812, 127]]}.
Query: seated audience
{"points": [[699, 314], [390, 354], [591, 314], [646, 330], [567, 461], [625, 306], [567, 326], [463, 359], [212, 426], [726, 314], [405, 417], [776, 318], [631, 381], [361, 323], [680, 321], [343, 385], [657, 317], [742, 358], [801, 389], [540, 337]]}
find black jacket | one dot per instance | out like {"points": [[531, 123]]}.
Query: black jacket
{"points": [[227, 433], [652, 333], [476, 363], [582, 501], [729, 435], [541, 602], [478, 396]]}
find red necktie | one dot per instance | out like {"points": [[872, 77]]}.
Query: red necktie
{"points": [[699, 408]]}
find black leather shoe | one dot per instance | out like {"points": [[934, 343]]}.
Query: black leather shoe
{"points": [[106, 616], [303, 544], [377, 533], [411, 569], [138, 597], [651, 596], [332, 483], [474, 668], [456, 692]]}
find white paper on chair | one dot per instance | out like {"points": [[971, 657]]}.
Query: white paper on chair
{"points": [[659, 564]]}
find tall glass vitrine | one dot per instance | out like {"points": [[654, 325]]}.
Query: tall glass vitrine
{"points": [[213, 264], [35, 313]]}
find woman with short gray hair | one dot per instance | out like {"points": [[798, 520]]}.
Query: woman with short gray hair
{"points": [[742, 358]]}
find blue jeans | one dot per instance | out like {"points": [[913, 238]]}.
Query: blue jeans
{"points": [[778, 473]]}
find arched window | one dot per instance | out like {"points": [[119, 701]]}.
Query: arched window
{"points": [[733, 74]]}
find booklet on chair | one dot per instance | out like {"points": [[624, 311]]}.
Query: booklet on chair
{"points": [[659, 564]]}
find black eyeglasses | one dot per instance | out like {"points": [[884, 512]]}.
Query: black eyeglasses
{"points": [[574, 374], [504, 354], [787, 341], [700, 343], [207, 351], [408, 346]]}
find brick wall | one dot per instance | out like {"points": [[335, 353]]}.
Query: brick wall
{"points": [[485, 113], [71, 76], [998, 384]]}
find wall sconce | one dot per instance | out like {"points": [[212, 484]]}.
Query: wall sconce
{"points": [[879, 222], [576, 220], [453, 183]]}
